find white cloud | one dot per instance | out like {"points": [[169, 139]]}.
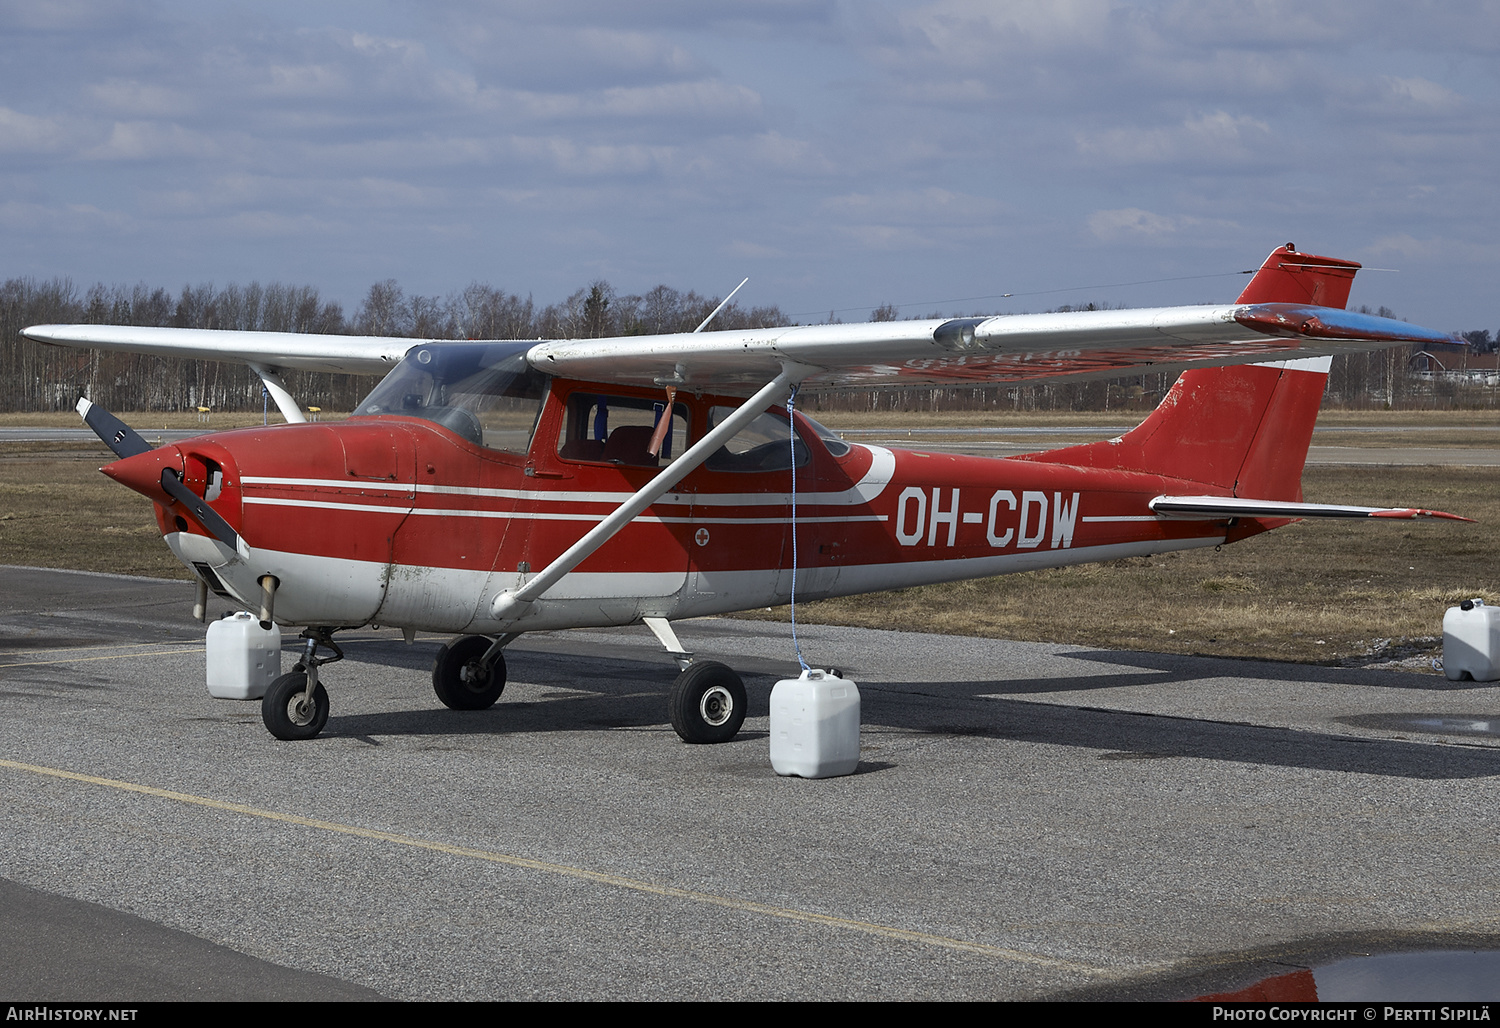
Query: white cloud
{"points": [[700, 99], [305, 81], [895, 238], [404, 51], [1213, 137], [23, 133], [774, 151], [45, 220], [1129, 221], [1135, 224], [969, 29], [1422, 94], [931, 206], [1403, 245], [829, 137], [154, 141], [598, 159], [132, 97], [753, 251]]}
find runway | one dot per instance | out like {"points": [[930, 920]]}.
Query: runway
{"points": [[996, 442], [1011, 441], [1028, 821]]}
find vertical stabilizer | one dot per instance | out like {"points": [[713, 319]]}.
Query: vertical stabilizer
{"points": [[1241, 429], [1291, 277]]}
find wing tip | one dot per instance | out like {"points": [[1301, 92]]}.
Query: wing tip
{"points": [[1418, 514]]}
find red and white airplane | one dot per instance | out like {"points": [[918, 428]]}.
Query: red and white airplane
{"points": [[490, 489]]}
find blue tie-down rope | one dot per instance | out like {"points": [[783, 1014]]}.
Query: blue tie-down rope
{"points": [[791, 406]]}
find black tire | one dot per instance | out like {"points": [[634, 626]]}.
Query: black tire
{"points": [[707, 703], [283, 708], [461, 681]]}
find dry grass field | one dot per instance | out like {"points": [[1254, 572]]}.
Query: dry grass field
{"points": [[1326, 592]]}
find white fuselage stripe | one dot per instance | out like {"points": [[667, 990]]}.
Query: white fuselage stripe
{"points": [[370, 508], [882, 468]]}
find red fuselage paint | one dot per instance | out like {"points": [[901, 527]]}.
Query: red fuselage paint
{"points": [[397, 521]]}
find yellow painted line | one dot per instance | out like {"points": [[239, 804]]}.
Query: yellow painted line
{"points": [[582, 874], [92, 646], [116, 656]]}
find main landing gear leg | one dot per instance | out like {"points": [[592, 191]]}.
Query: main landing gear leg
{"points": [[707, 702], [295, 706]]}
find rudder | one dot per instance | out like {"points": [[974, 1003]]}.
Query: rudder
{"points": [[1287, 276]]}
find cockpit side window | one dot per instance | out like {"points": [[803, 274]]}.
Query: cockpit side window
{"points": [[484, 392], [762, 445], [620, 430], [832, 440]]}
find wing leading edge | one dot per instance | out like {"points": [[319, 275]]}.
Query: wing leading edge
{"points": [[355, 355], [1011, 348]]}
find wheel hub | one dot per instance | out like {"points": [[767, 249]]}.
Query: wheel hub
{"points": [[717, 706], [299, 711]]}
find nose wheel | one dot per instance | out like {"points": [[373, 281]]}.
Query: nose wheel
{"points": [[289, 712], [295, 706]]}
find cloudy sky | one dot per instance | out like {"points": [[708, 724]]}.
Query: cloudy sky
{"points": [[841, 154]]}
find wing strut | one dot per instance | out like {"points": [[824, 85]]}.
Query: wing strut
{"points": [[512, 604], [277, 388]]}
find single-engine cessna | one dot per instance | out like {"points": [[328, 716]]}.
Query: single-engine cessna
{"points": [[488, 489]]}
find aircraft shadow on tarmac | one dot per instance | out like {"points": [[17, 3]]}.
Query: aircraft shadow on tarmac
{"points": [[1167, 667], [610, 691]]}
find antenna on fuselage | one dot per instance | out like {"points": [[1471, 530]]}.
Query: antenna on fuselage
{"points": [[721, 306]]}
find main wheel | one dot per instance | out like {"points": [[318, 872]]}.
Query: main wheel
{"points": [[707, 703], [461, 681], [287, 713]]}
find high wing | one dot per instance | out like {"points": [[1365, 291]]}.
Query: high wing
{"points": [[968, 351], [268, 353], [286, 351], [1293, 308]]}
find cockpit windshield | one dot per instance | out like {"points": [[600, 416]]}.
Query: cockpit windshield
{"points": [[484, 392]]}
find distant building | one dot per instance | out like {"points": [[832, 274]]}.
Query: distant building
{"points": [[1459, 366]]}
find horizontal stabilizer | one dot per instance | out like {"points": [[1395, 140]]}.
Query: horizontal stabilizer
{"points": [[1214, 508]]}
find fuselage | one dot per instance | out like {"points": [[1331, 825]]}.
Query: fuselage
{"points": [[404, 521]]}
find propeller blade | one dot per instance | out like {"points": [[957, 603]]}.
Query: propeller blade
{"points": [[117, 435], [203, 513]]}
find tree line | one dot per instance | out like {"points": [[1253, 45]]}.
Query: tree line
{"points": [[36, 377]]}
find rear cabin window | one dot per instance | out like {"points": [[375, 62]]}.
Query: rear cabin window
{"points": [[620, 429]]}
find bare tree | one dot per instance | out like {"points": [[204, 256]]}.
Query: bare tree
{"points": [[384, 311]]}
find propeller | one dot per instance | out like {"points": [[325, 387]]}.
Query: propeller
{"points": [[142, 474], [117, 435]]}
